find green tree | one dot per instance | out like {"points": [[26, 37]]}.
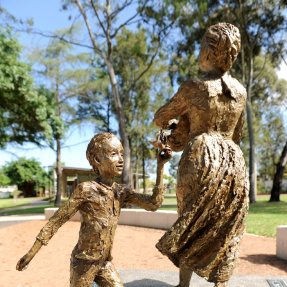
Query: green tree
{"points": [[173, 165], [277, 181], [4, 179], [270, 143], [24, 112], [26, 174], [140, 101], [66, 75], [103, 33]]}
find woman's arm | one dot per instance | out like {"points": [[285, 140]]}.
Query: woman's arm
{"points": [[177, 106], [154, 201], [63, 214]]}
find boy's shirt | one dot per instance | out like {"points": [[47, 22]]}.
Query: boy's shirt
{"points": [[100, 208]]}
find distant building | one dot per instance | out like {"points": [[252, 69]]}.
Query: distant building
{"points": [[5, 191], [72, 176]]}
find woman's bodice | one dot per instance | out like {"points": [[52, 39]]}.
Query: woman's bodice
{"points": [[205, 105]]}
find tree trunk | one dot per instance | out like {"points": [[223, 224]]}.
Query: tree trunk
{"points": [[122, 125], [59, 175], [132, 184], [143, 163], [252, 173], [277, 181], [137, 167]]}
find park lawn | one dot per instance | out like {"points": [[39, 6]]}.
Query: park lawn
{"points": [[169, 199], [263, 216], [262, 219], [32, 210], [9, 202]]}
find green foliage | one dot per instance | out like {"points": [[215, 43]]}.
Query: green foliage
{"points": [[23, 110], [272, 137], [171, 179], [65, 74], [25, 170], [4, 179], [144, 96], [173, 165]]}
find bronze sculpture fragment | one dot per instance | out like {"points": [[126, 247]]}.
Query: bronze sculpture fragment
{"points": [[100, 203], [212, 185]]}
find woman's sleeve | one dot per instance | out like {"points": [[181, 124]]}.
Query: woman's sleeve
{"points": [[176, 107], [238, 131], [63, 214]]}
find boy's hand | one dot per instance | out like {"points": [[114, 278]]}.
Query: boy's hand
{"points": [[164, 155], [24, 262]]}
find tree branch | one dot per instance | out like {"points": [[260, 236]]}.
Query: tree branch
{"points": [[116, 12], [257, 36], [272, 36], [109, 23], [95, 47], [263, 67], [53, 36], [130, 19], [96, 12]]}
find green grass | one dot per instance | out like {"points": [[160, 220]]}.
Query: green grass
{"points": [[262, 219], [169, 200], [264, 216], [9, 202], [31, 210]]}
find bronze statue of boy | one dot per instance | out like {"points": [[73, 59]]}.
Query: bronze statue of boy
{"points": [[99, 202]]}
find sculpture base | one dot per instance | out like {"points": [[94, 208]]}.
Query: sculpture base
{"points": [[281, 242]]}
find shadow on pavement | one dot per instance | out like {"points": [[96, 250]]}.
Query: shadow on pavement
{"points": [[266, 259], [147, 283], [144, 283]]}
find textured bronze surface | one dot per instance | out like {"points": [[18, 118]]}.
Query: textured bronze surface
{"points": [[99, 202], [213, 185]]}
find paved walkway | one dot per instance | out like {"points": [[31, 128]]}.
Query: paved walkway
{"points": [[8, 220], [147, 278], [33, 203]]}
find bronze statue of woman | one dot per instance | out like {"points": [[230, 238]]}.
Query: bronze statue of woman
{"points": [[212, 185]]}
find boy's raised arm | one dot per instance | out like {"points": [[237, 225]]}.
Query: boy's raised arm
{"points": [[154, 201]]}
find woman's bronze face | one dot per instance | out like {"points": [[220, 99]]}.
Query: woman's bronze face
{"points": [[204, 57]]}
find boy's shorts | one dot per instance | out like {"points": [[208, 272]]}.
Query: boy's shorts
{"points": [[83, 273]]}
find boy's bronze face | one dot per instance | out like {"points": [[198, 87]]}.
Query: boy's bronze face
{"points": [[111, 159]]}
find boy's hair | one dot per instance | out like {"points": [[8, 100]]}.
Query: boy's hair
{"points": [[95, 146]]}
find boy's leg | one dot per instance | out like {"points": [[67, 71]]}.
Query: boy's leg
{"points": [[82, 273], [108, 276]]}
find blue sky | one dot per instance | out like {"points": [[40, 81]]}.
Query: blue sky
{"points": [[48, 17]]}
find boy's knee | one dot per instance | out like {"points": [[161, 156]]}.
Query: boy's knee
{"points": [[109, 276]]}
